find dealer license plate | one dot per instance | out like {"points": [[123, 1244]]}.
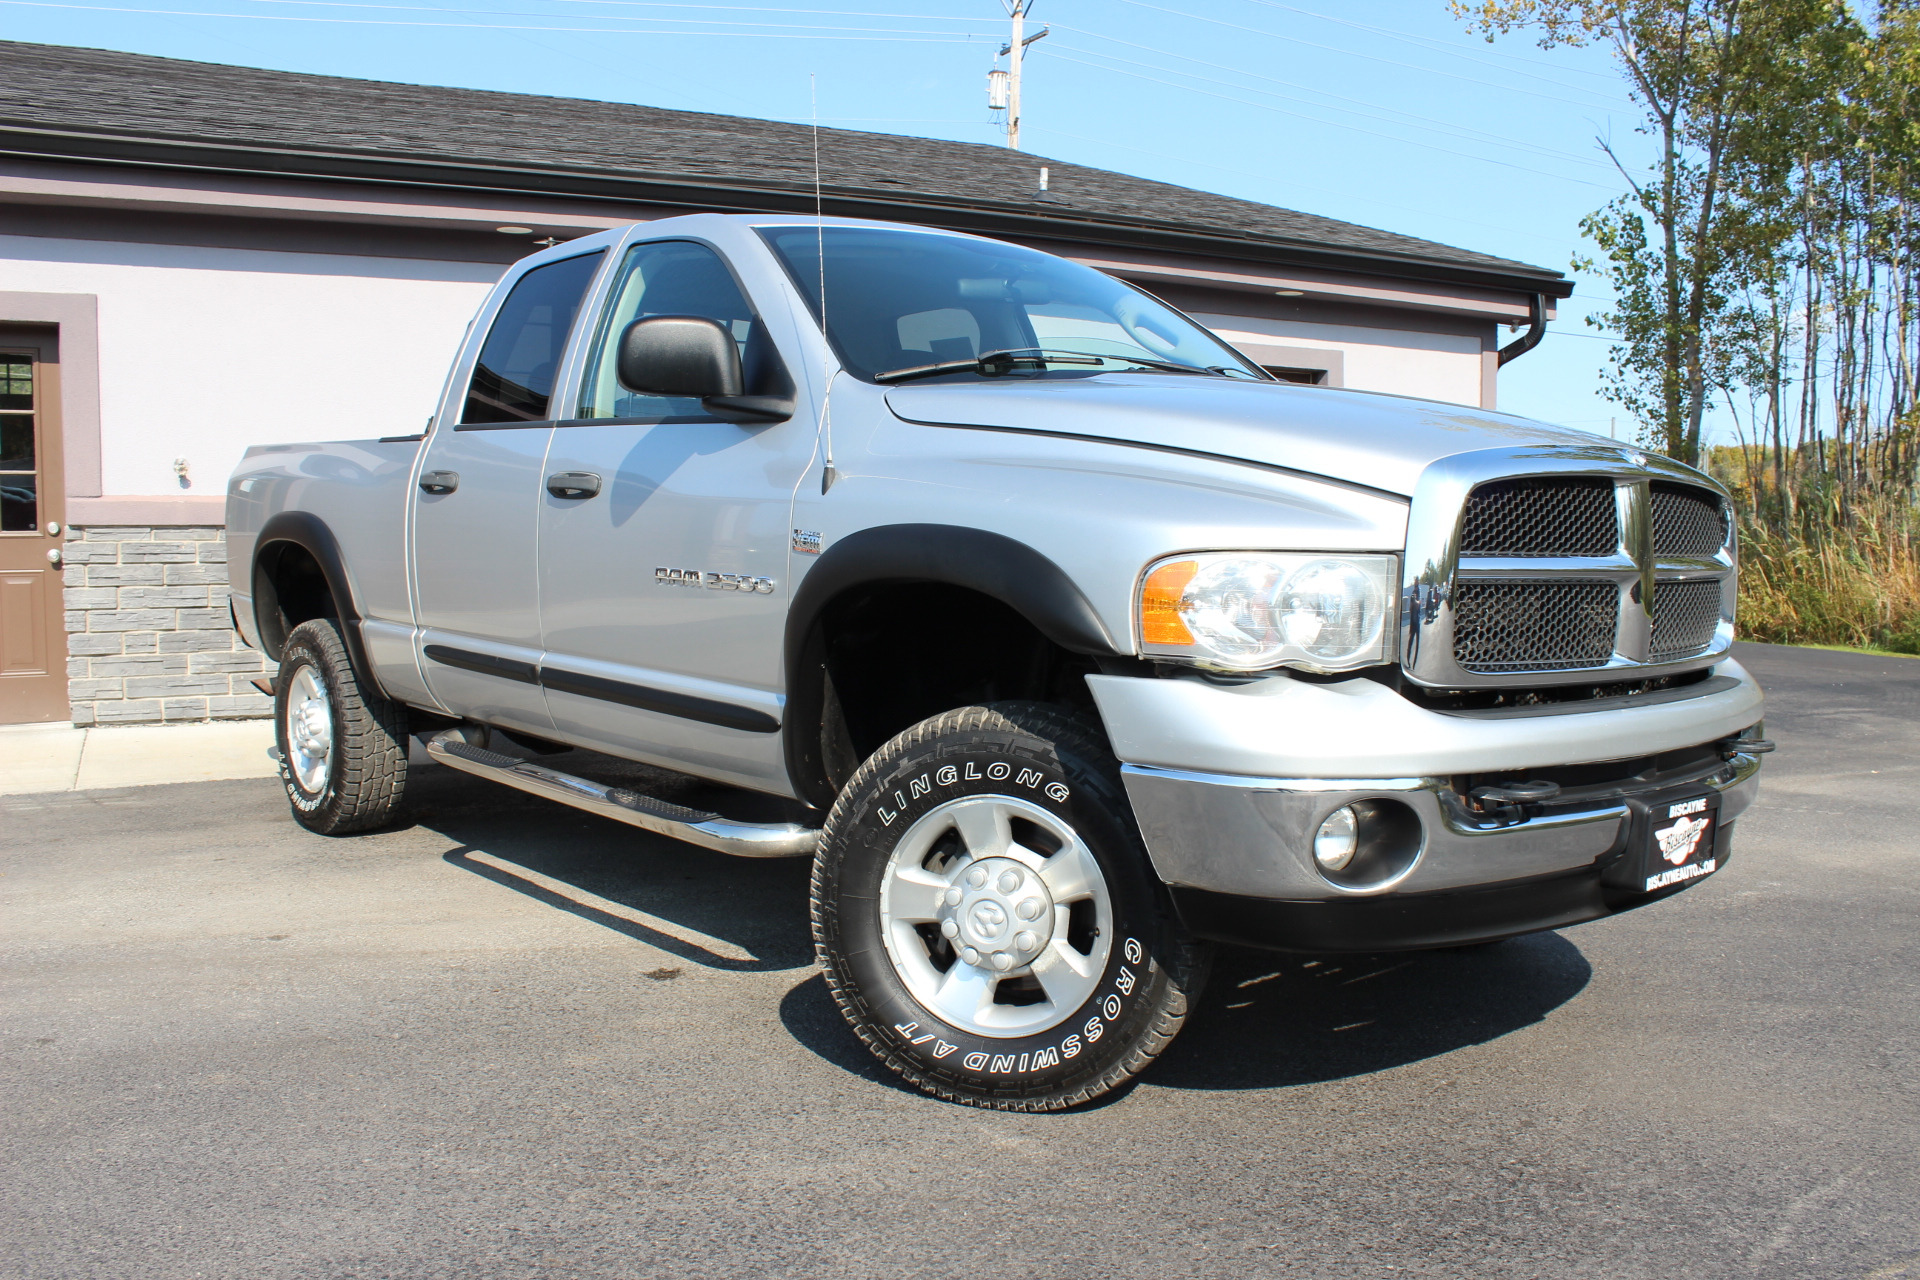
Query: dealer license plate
{"points": [[1682, 843]]}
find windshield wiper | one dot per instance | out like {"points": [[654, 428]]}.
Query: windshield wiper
{"points": [[991, 362], [1002, 362], [1172, 366]]}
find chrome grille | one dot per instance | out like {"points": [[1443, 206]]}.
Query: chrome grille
{"points": [[1534, 626], [1534, 567], [1541, 516], [1686, 521], [1685, 616]]}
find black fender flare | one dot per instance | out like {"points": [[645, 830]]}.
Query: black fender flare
{"points": [[993, 564], [310, 533]]}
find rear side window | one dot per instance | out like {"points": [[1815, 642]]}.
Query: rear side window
{"points": [[513, 378]]}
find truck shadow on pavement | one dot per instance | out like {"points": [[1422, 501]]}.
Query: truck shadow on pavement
{"points": [[1267, 1020], [737, 914], [1271, 1020]]}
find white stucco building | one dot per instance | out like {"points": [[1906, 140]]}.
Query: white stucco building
{"points": [[197, 258]]}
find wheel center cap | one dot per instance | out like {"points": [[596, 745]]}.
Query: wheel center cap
{"points": [[986, 920], [997, 913], [311, 730]]}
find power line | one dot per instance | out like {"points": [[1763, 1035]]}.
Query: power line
{"points": [[351, 4], [747, 8], [514, 13], [1314, 119], [1408, 118], [1392, 62], [901, 38], [1241, 171], [1441, 46]]}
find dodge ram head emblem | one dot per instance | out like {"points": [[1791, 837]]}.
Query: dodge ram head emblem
{"points": [[988, 919]]}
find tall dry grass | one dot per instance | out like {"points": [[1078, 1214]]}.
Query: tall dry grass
{"points": [[1824, 575]]}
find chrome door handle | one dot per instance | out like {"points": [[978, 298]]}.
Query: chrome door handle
{"points": [[439, 481], [573, 484]]}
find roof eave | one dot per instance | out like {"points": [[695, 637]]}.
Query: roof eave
{"points": [[1019, 218]]}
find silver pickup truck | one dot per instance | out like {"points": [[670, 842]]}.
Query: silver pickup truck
{"points": [[1071, 641]]}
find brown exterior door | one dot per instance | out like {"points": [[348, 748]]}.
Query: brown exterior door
{"points": [[33, 640]]}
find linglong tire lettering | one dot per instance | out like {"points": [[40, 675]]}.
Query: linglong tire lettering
{"points": [[958, 797]]}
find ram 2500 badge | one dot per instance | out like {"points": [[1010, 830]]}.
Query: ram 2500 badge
{"points": [[1072, 641]]}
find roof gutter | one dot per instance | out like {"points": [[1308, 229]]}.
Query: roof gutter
{"points": [[1049, 221], [1536, 330]]}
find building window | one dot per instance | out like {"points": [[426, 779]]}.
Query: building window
{"points": [[1305, 377], [19, 499]]}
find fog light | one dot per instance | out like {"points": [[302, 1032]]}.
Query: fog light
{"points": [[1337, 839]]}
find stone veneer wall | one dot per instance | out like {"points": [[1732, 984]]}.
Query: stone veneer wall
{"points": [[149, 637]]}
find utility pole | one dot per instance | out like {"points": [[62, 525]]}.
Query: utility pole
{"points": [[1014, 50]]}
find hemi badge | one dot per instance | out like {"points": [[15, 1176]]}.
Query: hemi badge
{"points": [[806, 541]]}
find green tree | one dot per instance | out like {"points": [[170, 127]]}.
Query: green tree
{"points": [[1723, 87]]}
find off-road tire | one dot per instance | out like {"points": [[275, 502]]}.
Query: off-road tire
{"points": [[1052, 759], [366, 774]]}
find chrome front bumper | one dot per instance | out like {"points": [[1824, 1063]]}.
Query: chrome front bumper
{"points": [[1248, 832], [1253, 837]]}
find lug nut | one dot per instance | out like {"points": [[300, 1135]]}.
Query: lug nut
{"points": [[1029, 909], [977, 877], [952, 896], [1024, 941], [1002, 961], [948, 929], [1009, 881], [970, 955]]}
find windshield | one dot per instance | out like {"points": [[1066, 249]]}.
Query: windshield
{"points": [[903, 300]]}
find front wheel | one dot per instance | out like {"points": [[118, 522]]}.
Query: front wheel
{"points": [[987, 917]]}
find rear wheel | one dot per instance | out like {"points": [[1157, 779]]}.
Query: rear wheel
{"points": [[343, 748], [987, 917]]}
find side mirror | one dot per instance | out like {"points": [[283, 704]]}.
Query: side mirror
{"points": [[679, 356], [694, 356]]}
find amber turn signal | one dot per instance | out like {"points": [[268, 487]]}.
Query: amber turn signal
{"points": [[1160, 598]]}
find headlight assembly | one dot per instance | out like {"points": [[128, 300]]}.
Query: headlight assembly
{"points": [[1249, 610]]}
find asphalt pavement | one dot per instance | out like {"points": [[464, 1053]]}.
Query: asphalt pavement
{"points": [[509, 1040]]}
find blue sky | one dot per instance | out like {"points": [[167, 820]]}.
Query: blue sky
{"points": [[1386, 113]]}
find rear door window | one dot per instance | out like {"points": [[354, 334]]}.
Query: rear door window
{"points": [[513, 377]]}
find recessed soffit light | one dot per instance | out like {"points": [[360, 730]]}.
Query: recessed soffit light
{"points": [[1278, 293], [514, 231]]}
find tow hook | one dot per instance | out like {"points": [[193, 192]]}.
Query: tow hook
{"points": [[1507, 803], [1732, 747]]}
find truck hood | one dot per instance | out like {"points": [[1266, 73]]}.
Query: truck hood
{"points": [[1379, 441]]}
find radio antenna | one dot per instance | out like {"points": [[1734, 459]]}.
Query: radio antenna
{"points": [[827, 473]]}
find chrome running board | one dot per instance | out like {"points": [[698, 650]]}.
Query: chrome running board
{"points": [[708, 830]]}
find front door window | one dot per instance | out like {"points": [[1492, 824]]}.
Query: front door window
{"points": [[664, 278]]}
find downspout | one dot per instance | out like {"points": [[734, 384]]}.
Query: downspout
{"points": [[1536, 330]]}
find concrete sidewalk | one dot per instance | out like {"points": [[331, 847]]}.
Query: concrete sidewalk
{"points": [[39, 758]]}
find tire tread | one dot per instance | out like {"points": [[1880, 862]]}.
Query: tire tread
{"points": [[1187, 961], [370, 733]]}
